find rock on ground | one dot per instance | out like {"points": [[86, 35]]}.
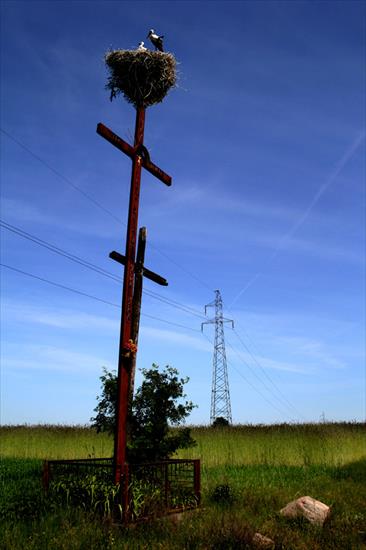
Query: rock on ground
{"points": [[263, 543], [313, 510]]}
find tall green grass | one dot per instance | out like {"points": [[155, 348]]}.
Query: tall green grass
{"points": [[54, 442], [264, 466], [332, 444]]}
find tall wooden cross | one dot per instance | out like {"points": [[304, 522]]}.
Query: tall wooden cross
{"points": [[140, 159], [140, 272]]}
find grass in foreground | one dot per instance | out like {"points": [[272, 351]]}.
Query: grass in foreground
{"points": [[265, 467]]}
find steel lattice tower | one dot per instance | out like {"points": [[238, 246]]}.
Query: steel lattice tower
{"points": [[220, 394]]}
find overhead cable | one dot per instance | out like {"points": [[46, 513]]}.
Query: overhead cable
{"points": [[97, 203], [259, 379], [62, 177], [251, 384], [263, 370], [75, 291], [85, 263]]}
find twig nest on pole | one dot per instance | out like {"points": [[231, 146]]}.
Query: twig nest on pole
{"points": [[143, 77]]}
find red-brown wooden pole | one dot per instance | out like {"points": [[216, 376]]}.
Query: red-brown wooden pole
{"points": [[124, 360], [136, 309]]}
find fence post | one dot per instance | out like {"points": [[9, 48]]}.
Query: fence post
{"points": [[197, 479], [46, 475], [166, 484], [125, 494]]}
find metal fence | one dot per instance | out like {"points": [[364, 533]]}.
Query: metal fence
{"points": [[57, 469], [148, 489]]}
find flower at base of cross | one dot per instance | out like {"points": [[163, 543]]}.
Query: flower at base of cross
{"points": [[131, 346]]}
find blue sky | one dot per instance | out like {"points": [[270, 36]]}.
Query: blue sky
{"points": [[265, 140]]}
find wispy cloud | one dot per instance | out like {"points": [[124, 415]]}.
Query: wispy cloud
{"points": [[315, 247], [314, 350], [348, 154], [243, 359], [52, 358], [299, 342], [215, 199], [173, 337], [22, 212], [283, 242], [65, 319]]}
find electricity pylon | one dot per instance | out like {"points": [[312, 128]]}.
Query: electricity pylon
{"points": [[220, 394]]}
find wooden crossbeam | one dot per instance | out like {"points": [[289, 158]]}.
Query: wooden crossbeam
{"points": [[121, 259], [126, 148]]}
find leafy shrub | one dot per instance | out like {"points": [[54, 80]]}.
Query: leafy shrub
{"points": [[154, 408], [223, 494], [220, 422]]}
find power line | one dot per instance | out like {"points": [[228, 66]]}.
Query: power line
{"points": [[170, 322], [181, 267], [289, 404], [96, 203], [85, 263], [258, 391], [282, 399], [62, 177], [259, 379], [173, 303], [250, 383], [57, 250], [58, 285], [75, 291]]}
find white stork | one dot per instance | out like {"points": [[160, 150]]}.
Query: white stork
{"points": [[141, 47], [156, 40]]}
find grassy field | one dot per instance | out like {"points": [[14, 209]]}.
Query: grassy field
{"points": [[265, 467]]}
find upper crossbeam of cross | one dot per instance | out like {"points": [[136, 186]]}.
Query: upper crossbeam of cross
{"points": [[141, 150]]}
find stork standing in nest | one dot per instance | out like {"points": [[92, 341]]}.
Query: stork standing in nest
{"points": [[156, 40], [141, 47]]}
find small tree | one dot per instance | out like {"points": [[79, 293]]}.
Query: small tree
{"points": [[154, 409], [220, 422], [105, 419]]}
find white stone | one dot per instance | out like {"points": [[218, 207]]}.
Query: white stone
{"points": [[313, 510], [263, 543]]}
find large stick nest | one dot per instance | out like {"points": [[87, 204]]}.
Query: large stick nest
{"points": [[144, 78]]}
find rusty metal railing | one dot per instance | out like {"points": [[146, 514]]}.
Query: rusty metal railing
{"points": [[147, 489]]}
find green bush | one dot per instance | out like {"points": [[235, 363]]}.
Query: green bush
{"points": [[223, 494], [156, 406]]}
